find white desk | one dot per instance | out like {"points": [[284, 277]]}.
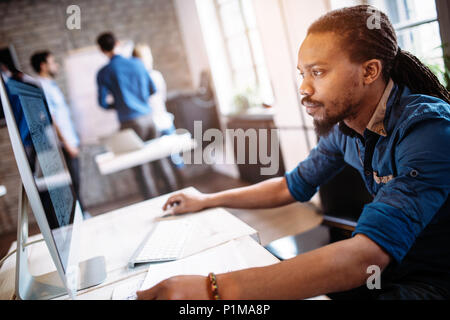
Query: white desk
{"points": [[155, 149], [115, 236]]}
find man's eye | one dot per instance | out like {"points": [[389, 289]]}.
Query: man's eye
{"points": [[302, 75], [317, 73]]}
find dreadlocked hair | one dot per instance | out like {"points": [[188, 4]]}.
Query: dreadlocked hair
{"points": [[365, 41]]}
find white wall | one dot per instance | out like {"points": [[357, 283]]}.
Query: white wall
{"points": [[193, 39], [335, 4], [283, 25], [206, 51]]}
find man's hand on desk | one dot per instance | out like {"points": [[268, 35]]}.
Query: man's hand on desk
{"points": [[183, 203], [178, 288], [72, 151], [271, 193]]}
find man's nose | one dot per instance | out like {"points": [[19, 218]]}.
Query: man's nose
{"points": [[306, 89]]}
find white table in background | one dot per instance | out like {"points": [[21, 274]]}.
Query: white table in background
{"points": [[156, 149]]}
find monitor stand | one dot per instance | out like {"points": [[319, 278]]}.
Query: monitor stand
{"points": [[50, 285]]}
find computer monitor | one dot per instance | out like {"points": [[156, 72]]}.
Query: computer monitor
{"points": [[47, 189], [2, 117]]}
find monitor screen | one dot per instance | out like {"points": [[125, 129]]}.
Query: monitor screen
{"points": [[46, 161]]}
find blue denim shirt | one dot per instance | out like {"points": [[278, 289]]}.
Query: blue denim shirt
{"points": [[404, 159], [129, 83]]}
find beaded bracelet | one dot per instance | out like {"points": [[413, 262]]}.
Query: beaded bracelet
{"points": [[214, 287]]}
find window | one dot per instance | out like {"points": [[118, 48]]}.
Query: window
{"points": [[417, 26], [337, 4], [244, 52]]}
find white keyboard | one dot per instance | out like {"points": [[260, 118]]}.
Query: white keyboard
{"points": [[165, 242]]}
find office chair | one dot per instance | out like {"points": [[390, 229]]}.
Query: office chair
{"points": [[342, 199]]}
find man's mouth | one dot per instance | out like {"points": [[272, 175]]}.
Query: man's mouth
{"points": [[310, 106]]}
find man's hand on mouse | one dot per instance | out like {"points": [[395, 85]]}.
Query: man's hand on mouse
{"points": [[185, 203]]}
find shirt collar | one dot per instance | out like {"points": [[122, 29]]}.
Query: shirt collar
{"points": [[44, 79], [376, 124]]}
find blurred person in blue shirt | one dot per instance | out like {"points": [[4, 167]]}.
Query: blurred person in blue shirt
{"points": [[131, 86]]}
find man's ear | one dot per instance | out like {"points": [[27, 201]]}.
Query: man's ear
{"points": [[372, 70]]}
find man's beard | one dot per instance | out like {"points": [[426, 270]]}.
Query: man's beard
{"points": [[324, 127]]}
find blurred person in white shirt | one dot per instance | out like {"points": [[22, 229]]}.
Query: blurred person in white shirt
{"points": [[164, 120]]}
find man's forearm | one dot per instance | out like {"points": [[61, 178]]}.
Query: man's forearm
{"points": [[60, 136], [268, 194], [338, 267]]}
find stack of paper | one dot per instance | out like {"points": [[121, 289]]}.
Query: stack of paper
{"points": [[225, 258]]}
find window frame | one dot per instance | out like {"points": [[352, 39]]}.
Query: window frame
{"points": [[443, 13], [255, 66], [443, 20]]}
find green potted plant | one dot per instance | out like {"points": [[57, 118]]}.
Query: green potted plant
{"points": [[246, 99], [442, 72]]}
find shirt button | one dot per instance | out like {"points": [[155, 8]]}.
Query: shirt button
{"points": [[367, 172], [414, 173]]}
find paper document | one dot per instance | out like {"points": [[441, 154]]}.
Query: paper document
{"points": [[224, 258], [212, 228], [127, 290]]}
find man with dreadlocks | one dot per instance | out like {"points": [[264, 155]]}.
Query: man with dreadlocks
{"points": [[379, 109]]}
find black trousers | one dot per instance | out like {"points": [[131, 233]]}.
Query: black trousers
{"points": [[157, 177]]}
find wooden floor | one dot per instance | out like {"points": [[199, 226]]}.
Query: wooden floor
{"points": [[271, 224]]}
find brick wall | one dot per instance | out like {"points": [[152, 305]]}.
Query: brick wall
{"points": [[36, 25], [32, 25]]}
